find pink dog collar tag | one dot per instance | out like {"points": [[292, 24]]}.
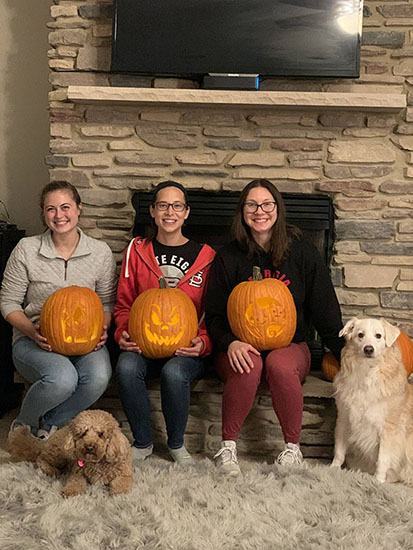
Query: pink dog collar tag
{"points": [[80, 463]]}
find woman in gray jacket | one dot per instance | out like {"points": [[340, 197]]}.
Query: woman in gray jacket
{"points": [[63, 255]]}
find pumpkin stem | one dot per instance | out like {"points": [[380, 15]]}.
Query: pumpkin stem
{"points": [[162, 282], [256, 273]]}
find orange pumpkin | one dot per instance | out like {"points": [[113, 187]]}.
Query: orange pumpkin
{"points": [[162, 320], [330, 366], [72, 320], [406, 347], [262, 312]]}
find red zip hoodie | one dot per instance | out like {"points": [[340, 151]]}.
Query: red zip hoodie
{"points": [[140, 271]]}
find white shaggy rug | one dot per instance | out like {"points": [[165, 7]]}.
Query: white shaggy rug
{"points": [[270, 508]]}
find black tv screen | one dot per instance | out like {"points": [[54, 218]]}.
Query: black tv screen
{"points": [[312, 38]]}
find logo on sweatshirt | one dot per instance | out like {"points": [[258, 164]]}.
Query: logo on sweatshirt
{"points": [[276, 275], [196, 280], [173, 268]]}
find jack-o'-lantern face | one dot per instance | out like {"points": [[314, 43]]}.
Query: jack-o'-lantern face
{"points": [[164, 327], [262, 313], [162, 320], [265, 316], [77, 328], [72, 320]]}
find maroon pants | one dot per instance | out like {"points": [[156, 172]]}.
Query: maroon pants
{"points": [[285, 370]]}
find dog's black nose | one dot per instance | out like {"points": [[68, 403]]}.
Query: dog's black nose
{"points": [[90, 449], [368, 350]]}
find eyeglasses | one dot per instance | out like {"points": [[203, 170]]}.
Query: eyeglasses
{"points": [[177, 206], [251, 206]]}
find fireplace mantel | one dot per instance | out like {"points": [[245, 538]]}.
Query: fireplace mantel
{"points": [[288, 100]]}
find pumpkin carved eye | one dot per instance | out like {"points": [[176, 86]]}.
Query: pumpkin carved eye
{"points": [[155, 316], [174, 318]]}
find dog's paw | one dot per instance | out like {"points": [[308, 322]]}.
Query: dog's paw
{"points": [[380, 478], [337, 463], [121, 485], [71, 491]]}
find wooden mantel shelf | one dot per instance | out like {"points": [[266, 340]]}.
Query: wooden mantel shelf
{"points": [[165, 96]]}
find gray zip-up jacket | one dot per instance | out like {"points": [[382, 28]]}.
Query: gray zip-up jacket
{"points": [[35, 270]]}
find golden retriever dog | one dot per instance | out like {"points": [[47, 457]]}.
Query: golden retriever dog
{"points": [[91, 448], [374, 402]]}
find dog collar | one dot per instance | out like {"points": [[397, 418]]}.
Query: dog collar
{"points": [[80, 463]]}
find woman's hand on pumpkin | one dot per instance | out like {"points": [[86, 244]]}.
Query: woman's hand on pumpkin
{"points": [[40, 340], [126, 344], [239, 356], [194, 351], [103, 338]]}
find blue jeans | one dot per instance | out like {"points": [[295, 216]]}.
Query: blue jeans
{"points": [[61, 386], [176, 375]]}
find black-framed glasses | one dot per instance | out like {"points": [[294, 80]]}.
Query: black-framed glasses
{"points": [[251, 206], [177, 206]]}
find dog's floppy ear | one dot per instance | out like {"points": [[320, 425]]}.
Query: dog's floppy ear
{"points": [[391, 333], [118, 446], [348, 327], [69, 443]]}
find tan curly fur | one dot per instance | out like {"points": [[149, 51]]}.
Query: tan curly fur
{"points": [[91, 448]]}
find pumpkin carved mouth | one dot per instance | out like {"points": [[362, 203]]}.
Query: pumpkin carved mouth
{"points": [[167, 340]]}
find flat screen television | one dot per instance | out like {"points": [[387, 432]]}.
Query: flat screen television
{"points": [[193, 38]]}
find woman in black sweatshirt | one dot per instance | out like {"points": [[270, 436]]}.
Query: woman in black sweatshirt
{"points": [[264, 239]]}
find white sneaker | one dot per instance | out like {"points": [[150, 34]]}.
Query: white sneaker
{"points": [[226, 459], [290, 455], [44, 434]]}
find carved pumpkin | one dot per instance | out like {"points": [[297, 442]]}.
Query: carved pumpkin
{"points": [[162, 320], [330, 366], [72, 320], [262, 312]]}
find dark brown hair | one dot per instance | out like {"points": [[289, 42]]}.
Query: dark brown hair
{"points": [[282, 233], [152, 230], [58, 186]]}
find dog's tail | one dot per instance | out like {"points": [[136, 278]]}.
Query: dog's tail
{"points": [[23, 445]]}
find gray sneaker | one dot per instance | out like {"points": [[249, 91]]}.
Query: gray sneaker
{"points": [[181, 456], [290, 455], [226, 459], [138, 455]]}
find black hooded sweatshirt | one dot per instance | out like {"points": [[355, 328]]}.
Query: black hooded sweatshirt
{"points": [[306, 276]]}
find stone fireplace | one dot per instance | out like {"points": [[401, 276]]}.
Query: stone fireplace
{"points": [[351, 139], [112, 135]]}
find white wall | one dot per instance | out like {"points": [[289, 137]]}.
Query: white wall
{"points": [[24, 125]]}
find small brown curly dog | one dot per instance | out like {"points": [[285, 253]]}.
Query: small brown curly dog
{"points": [[91, 448]]}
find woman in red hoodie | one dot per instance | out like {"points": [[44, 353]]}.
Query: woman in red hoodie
{"points": [[184, 264]]}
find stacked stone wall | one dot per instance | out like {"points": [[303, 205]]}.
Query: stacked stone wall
{"points": [[362, 159]]}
